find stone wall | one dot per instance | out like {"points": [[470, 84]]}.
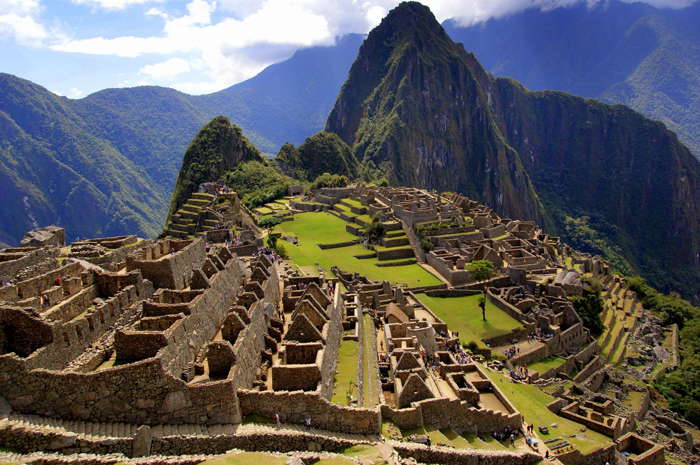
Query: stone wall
{"points": [[145, 392], [600, 456], [13, 260], [30, 439], [453, 276], [171, 271], [333, 341], [444, 455], [294, 407]]}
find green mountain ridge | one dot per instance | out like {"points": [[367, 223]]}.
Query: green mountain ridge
{"points": [[116, 153], [419, 102], [216, 149]]}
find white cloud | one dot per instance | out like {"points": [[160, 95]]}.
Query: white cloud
{"points": [[167, 69], [113, 4], [74, 92], [18, 20], [228, 41]]}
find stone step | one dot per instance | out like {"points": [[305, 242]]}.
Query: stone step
{"points": [[198, 202], [203, 196]]}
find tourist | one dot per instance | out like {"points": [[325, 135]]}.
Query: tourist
{"points": [[172, 251], [308, 424], [277, 420]]}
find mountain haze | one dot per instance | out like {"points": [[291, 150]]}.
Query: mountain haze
{"points": [[604, 177]]}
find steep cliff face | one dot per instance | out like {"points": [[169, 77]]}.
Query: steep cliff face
{"points": [[217, 148], [604, 177], [414, 100], [588, 158]]}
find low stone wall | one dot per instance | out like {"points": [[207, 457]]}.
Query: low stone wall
{"points": [[410, 261], [308, 207], [295, 407], [30, 439], [395, 254], [452, 293], [424, 454], [644, 408], [575, 457], [336, 245], [505, 306], [595, 364]]}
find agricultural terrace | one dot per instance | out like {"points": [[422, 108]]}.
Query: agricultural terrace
{"points": [[323, 228], [463, 314], [531, 402]]}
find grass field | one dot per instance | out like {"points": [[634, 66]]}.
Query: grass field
{"points": [[346, 369], [463, 314], [324, 228], [546, 364], [531, 402]]}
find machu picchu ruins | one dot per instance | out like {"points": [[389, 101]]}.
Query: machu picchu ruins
{"points": [[177, 349]]}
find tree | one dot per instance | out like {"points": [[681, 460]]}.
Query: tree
{"points": [[481, 270], [374, 230], [482, 304]]}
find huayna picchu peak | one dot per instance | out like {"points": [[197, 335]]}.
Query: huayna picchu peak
{"points": [[419, 104]]}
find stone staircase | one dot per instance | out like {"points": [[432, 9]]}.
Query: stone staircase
{"points": [[193, 217]]}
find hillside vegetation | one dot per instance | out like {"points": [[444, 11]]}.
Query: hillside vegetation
{"points": [[605, 177]]}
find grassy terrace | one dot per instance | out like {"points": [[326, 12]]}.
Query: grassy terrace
{"points": [[324, 228], [463, 314], [346, 371], [546, 364], [531, 402]]}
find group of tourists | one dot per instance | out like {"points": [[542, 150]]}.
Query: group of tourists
{"points": [[507, 434], [512, 352], [519, 374]]}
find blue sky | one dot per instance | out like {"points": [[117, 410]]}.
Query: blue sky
{"points": [[76, 47]]}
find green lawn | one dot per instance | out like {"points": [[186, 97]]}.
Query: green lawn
{"points": [[546, 364], [346, 371], [531, 402], [463, 314], [324, 228]]}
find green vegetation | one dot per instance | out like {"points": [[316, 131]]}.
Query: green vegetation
{"points": [[462, 314], [324, 228], [320, 154], [269, 222], [217, 148], [481, 270], [589, 306], [546, 364], [374, 230], [346, 372], [588, 189], [277, 246], [329, 180], [257, 183], [531, 402]]}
